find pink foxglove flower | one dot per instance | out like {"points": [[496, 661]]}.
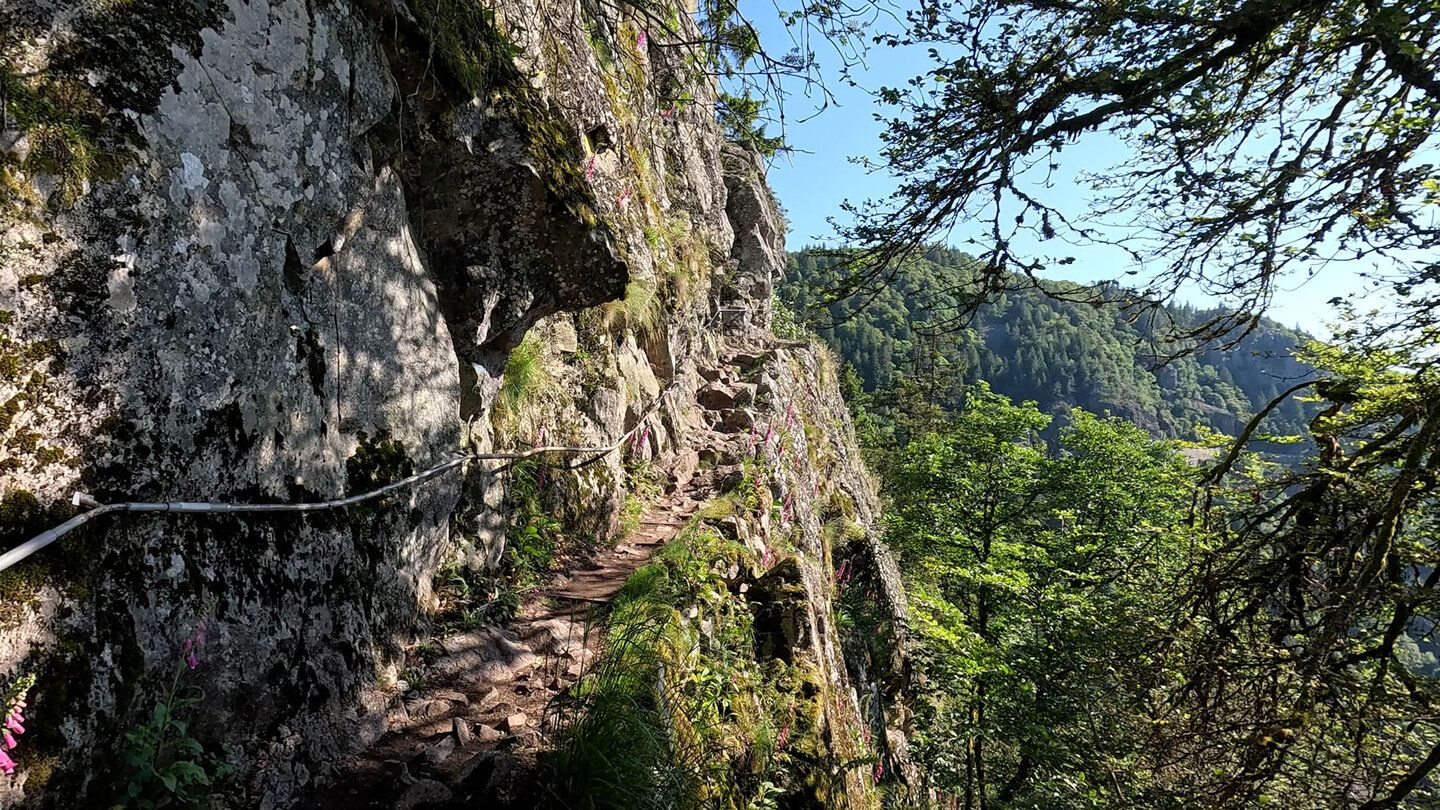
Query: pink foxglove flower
{"points": [[191, 660], [641, 40], [6, 763], [13, 722], [9, 740]]}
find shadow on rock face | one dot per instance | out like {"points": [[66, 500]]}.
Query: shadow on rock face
{"points": [[497, 204]]}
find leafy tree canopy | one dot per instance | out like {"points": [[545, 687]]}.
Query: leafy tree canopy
{"points": [[1267, 138]]}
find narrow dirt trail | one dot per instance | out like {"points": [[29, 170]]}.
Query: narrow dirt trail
{"points": [[489, 689], [472, 735]]}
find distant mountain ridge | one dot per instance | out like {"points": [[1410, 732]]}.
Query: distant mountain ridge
{"points": [[1060, 354]]}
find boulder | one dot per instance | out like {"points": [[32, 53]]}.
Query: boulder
{"points": [[745, 394], [441, 751], [738, 419], [423, 792], [463, 735], [487, 734], [716, 396]]}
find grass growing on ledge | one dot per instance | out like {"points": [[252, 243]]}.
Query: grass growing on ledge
{"points": [[678, 712], [527, 386], [642, 310]]}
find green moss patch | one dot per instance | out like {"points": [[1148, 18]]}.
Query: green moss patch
{"points": [[9, 410], [23, 516], [19, 585], [376, 462], [116, 57], [470, 44]]}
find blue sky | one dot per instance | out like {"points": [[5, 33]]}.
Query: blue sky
{"points": [[812, 181]]}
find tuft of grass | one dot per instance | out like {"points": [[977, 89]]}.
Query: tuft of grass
{"points": [[527, 385], [613, 745], [641, 310], [63, 119], [719, 508]]}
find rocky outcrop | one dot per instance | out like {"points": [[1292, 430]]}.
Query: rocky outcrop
{"points": [[832, 598], [288, 251], [759, 249]]}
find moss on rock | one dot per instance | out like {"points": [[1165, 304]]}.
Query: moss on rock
{"points": [[9, 411], [113, 58], [376, 462], [470, 43]]}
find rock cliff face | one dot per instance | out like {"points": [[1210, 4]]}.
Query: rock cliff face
{"points": [[291, 250]]}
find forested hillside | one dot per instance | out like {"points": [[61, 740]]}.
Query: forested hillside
{"points": [[1060, 354]]}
